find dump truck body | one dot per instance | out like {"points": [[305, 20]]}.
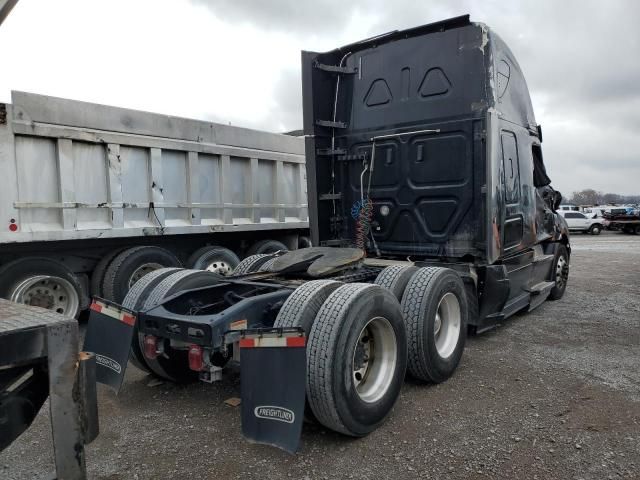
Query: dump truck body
{"points": [[84, 183], [75, 170]]}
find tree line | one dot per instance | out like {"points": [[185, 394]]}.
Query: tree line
{"points": [[593, 197]]}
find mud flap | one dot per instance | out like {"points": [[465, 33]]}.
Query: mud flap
{"points": [[272, 379], [109, 336]]}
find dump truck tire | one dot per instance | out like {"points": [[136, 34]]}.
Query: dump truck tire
{"points": [[130, 266], [356, 358], [251, 264], [395, 278], [214, 259], [43, 282], [267, 246], [175, 366], [97, 276], [560, 273], [134, 301], [434, 306], [304, 242]]}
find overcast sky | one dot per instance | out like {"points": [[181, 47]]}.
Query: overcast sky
{"points": [[238, 62]]}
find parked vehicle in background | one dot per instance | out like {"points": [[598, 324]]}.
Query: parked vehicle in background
{"points": [[94, 197], [623, 221], [593, 212], [568, 207], [580, 222]]}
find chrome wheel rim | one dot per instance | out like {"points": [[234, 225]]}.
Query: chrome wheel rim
{"points": [[562, 272], [220, 267], [45, 291], [374, 359], [141, 271], [447, 325]]}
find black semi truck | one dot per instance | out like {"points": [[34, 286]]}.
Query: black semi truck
{"points": [[431, 212]]}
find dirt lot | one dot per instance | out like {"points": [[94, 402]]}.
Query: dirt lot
{"points": [[552, 394]]}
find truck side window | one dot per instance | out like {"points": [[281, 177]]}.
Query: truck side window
{"points": [[510, 167], [540, 177]]}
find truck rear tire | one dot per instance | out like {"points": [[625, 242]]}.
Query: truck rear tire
{"points": [[434, 306], [395, 278], [304, 242], [251, 264], [302, 306], [356, 358], [43, 282], [97, 276], [266, 266], [134, 301], [267, 246], [130, 266], [300, 309], [175, 365], [215, 259], [560, 272]]}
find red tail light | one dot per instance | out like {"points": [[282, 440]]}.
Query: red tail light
{"points": [[150, 347], [196, 361]]}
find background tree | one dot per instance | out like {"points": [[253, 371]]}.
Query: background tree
{"points": [[587, 197]]}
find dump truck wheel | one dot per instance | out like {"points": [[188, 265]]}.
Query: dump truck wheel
{"points": [[43, 282], [356, 358], [134, 301], [304, 242], [434, 307], [560, 273], [267, 246], [97, 276], [130, 266], [251, 264], [395, 278], [214, 259]]}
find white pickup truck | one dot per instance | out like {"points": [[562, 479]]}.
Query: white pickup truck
{"points": [[580, 222]]}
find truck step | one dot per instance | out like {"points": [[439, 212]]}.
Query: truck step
{"points": [[542, 258], [540, 288]]}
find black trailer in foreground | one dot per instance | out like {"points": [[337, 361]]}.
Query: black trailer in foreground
{"points": [[432, 212], [39, 359]]}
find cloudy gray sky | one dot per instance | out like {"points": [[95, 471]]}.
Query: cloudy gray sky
{"points": [[237, 61]]}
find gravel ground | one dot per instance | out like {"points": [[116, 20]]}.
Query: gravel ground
{"points": [[551, 394]]}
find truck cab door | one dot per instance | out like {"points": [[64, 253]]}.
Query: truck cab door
{"points": [[512, 231], [584, 220]]}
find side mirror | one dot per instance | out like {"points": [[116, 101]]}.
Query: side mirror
{"points": [[540, 133]]}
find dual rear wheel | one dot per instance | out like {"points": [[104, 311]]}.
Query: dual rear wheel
{"points": [[363, 337]]}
